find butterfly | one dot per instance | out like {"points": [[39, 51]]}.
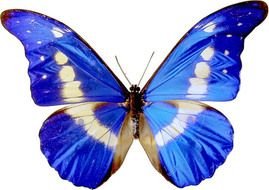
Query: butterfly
{"points": [[185, 140]]}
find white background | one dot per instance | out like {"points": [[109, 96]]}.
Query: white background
{"points": [[131, 30]]}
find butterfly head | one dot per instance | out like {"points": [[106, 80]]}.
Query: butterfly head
{"points": [[135, 89]]}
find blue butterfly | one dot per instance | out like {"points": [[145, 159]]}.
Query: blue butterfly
{"points": [[185, 140]]}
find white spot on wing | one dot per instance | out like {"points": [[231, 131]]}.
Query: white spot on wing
{"points": [[202, 70], [226, 52], [208, 53], [229, 35], [57, 32], [44, 76], [39, 42], [28, 31], [225, 71], [210, 27], [239, 24], [42, 58]]}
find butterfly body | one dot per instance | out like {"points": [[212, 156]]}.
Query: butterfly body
{"points": [[185, 140], [135, 104]]}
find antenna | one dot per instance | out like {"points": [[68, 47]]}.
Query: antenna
{"points": [[122, 71], [146, 68]]}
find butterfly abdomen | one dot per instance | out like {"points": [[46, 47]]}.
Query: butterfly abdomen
{"points": [[135, 105]]}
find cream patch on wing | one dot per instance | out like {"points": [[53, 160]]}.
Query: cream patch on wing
{"points": [[202, 70], [101, 133], [71, 91], [81, 110], [84, 116], [199, 83], [67, 74], [60, 58], [186, 115], [208, 53]]}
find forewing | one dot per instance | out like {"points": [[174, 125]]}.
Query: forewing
{"points": [[87, 143], [63, 67], [205, 64], [185, 141]]}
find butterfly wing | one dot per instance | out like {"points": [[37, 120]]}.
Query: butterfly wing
{"points": [[189, 141], [205, 64], [63, 67], [87, 143]]}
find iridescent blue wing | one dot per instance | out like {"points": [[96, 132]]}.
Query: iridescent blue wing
{"points": [[63, 67], [188, 142], [87, 143], [205, 64]]}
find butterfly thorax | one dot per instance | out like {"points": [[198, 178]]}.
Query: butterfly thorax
{"points": [[135, 105]]}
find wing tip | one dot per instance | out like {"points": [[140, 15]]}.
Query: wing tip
{"points": [[9, 13], [5, 15], [262, 5], [259, 5]]}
